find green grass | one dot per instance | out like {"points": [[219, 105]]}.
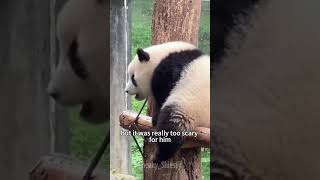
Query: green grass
{"points": [[205, 164], [204, 30], [137, 161], [141, 24]]}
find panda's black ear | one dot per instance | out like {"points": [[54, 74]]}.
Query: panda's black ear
{"points": [[142, 55]]}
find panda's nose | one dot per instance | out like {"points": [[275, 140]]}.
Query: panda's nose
{"points": [[54, 95], [52, 91]]}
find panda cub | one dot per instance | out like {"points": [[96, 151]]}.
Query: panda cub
{"points": [[176, 76]]}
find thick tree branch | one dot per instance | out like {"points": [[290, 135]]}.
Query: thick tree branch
{"points": [[144, 123]]}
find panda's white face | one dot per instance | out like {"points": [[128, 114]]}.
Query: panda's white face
{"points": [[140, 72], [141, 68], [81, 75]]}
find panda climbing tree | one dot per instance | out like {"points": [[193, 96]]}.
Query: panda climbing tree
{"points": [[182, 26]]}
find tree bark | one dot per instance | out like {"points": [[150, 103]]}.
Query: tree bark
{"points": [[172, 21], [176, 20]]}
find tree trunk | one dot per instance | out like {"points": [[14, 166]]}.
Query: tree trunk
{"points": [[174, 20]]}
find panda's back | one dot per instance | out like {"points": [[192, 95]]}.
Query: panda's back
{"points": [[183, 78], [192, 92]]}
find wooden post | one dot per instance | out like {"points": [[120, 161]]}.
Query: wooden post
{"points": [[174, 20], [120, 151], [25, 50]]}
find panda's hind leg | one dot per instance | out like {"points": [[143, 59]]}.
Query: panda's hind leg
{"points": [[171, 118]]}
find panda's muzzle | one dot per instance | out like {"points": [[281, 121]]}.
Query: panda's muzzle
{"points": [[139, 97], [136, 95], [95, 111]]}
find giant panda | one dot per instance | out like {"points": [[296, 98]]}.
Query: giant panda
{"points": [[82, 73], [176, 77], [265, 90]]}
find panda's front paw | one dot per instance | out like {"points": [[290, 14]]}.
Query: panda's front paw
{"points": [[155, 119]]}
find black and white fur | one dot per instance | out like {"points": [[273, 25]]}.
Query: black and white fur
{"points": [[176, 75], [266, 90], [82, 73]]}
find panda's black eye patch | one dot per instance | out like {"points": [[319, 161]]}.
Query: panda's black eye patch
{"points": [[76, 64], [134, 82]]}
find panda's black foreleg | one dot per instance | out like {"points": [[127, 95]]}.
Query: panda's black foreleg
{"points": [[155, 119], [170, 119]]}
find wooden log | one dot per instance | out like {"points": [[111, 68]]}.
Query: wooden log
{"points": [[63, 167], [144, 123]]}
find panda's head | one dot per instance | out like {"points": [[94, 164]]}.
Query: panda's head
{"points": [[82, 72], [139, 73], [141, 68]]}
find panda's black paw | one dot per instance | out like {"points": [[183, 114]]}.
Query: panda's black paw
{"points": [[155, 119]]}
